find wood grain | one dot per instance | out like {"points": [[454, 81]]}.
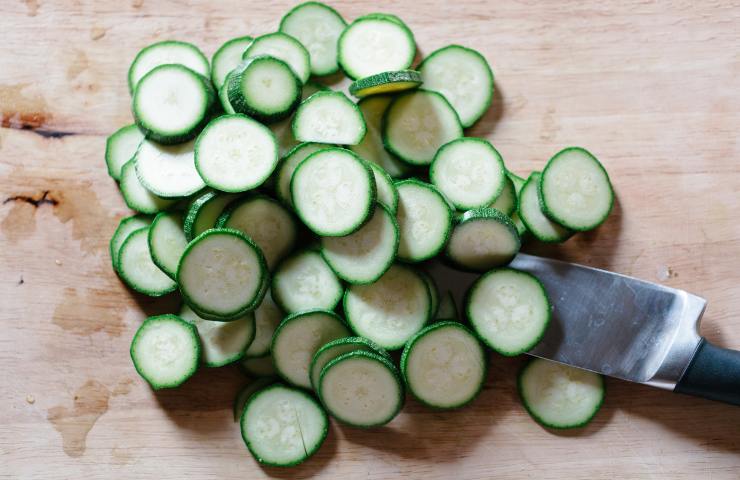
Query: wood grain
{"points": [[652, 88]]}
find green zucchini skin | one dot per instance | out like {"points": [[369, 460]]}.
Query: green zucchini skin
{"points": [[386, 82]]}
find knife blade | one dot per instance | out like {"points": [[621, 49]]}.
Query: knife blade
{"points": [[622, 327]]}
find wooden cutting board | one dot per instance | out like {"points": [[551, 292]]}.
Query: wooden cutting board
{"points": [[652, 88]]}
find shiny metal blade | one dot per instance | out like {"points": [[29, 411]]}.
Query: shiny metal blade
{"points": [[606, 322]]}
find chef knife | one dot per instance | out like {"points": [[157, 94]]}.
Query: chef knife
{"points": [[623, 327]]}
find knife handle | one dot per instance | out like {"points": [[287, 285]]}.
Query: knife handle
{"points": [[713, 373]]}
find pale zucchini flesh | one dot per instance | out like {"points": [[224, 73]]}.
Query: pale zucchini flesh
{"points": [[138, 197], [168, 170], [335, 348], [267, 318], [125, 227], [288, 165], [138, 270], [203, 212], [371, 45], [329, 117], [530, 212], [424, 220], [283, 129], [283, 47], [386, 190], [317, 27], [227, 58], [304, 281], [222, 343], [167, 241], [167, 52], [482, 239], [506, 202], [371, 147], [120, 147]]}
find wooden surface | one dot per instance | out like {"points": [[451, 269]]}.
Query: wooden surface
{"points": [[652, 88]]}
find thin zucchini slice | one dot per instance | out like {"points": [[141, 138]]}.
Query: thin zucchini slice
{"points": [[235, 153], [424, 220], [386, 190], [138, 271], [463, 76], [506, 202], [362, 389], [560, 396], [516, 180], [283, 47], [521, 229], [482, 239], [168, 171], [223, 94], [259, 366], [444, 365], [266, 222], [165, 351], [172, 104], [509, 310], [365, 255], [530, 212], [222, 274], [136, 196], [283, 426], [575, 190], [329, 117], [247, 391], [333, 192], [469, 172], [283, 129], [433, 292], [167, 52], [391, 310], [417, 123], [385, 82], [267, 318], [304, 281], [337, 347], [222, 343], [203, 212], [125, 227], [297, 339], [371, 147], [287, 166], [447, 308], [227, 58], [374, 44], [167, 241], [120, 148], [317, 27], [265, 88]]}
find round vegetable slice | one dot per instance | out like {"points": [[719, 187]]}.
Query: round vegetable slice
{"points": [[297, 340], [365, 255], [507, 201], [167, 241], [283, 47], [386, 190], [138, 271], [222, 343], [482, 239], [227, 58], [417, 123], [385, 82], [283, 129], [165, 351], [424, 220], [304, 281], [267, 318], [361, 389], [463, 76], [168, 170], [469, 172], [575, 190], [203, 212], [530, 212], [374, 44], [283, 426], [288, 165], [333, 192], [120, 148], [560, 396], [329, 117], [138, 197], [391, 310], [125, 227], [337, 347], [444, 365], [167, 52], [235, 153], [222, 274], [172, 103], [509, 310]]}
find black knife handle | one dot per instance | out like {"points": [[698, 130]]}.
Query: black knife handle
{"points": [[713, 373]]}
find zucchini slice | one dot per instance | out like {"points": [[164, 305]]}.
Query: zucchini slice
{"points": [[371, 147], [222, 343], [283, 47], [125, 227], [385, 82], [172, 104], [417, 123], [222, 274], [374, 44], [235, 153], [167, 241], [507, 201], [509, 310], [267, 318], [469, 172], [120, 148], [298, 338], [168, 171], [167, 52], [283, 426], [433, 292], [138, 271], [227, 58], [482, 239], [386, 190], [391, 310], [329, 117], [463, 76], [444, 365], [424, 220], [333, 192], [560, 396], [575, 190], [337, 347], [317, 26], [530, 212], [364, 256], [138, 197], [362, 389], [203, 212], [304, 281], [283, 129], [165, 351], [287, 166]]}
